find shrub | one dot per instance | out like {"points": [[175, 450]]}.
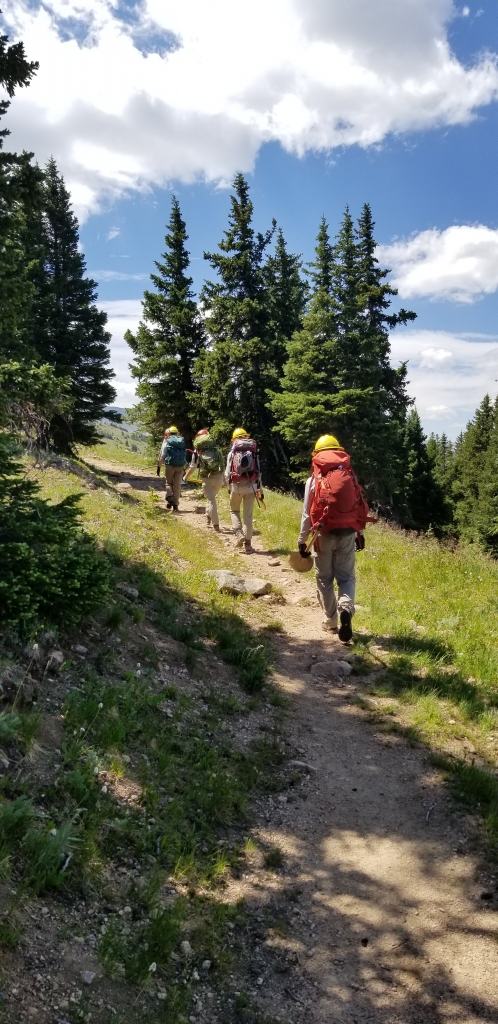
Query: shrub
{"points": [[50, 569]]}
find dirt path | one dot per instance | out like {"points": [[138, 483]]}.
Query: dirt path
{"points": [[386, 921]]}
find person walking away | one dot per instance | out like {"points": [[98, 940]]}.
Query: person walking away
{"points": [[208, 461], [173, 456], [243, 477], [336, 512]]}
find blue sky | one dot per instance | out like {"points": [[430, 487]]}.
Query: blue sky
{"points": [[322, 103]]}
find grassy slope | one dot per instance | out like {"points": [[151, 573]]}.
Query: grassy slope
{"points": [[128, 720], [118, 444]]}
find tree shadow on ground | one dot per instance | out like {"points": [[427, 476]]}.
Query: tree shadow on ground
{"points": [[377, 901]]}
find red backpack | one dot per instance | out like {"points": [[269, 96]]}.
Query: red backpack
{"points": [[245, 465], [338, 501]]}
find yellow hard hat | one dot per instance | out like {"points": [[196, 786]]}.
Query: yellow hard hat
{"points": [[172, 430], [239, 432], [326, 441]]}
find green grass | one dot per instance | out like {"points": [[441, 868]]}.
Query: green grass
{"points": [[126, 447]]}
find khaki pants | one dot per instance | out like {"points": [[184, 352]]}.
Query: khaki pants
{"points": [[174, 477], [210, 487], [242, 495], [336, 561]]}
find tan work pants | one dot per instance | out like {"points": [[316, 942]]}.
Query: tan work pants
{"points": [[174, 477], [336, 561], [210, 486], [242, 495]]}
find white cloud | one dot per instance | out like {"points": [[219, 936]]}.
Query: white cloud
{"points": [[113, 233], [447, 400], [116, 275], [436, 358], [459, 264], [123, 315], [130, 95]]}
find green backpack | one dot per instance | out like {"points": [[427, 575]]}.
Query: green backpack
{"points": [[210, 462]]}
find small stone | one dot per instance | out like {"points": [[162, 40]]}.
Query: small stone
{"points": [[206, 964], [186, 948], [79, 649], [44, 911], [162, 994], [199, 509], [55, 661], [123, 487], [274, 561], [301, 764], [228, 582], [257, 587], [87, 977], [329, 669], [129, 591]]}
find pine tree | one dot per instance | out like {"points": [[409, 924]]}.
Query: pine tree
{"points": [[286, 299], [68, 328], [442, 456], [486, 519], [470, 469], [19, 190], [169, 340], [234, 373], [423, 504], [338, 378], [306, 405]]}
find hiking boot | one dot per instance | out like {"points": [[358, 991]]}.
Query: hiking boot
{"points": [[208, 522], [345, 629], [248, 548], [328, 626], [239, 540], [216, 527]]}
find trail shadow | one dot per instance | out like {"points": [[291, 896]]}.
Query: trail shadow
{"points": [[385, 923]]}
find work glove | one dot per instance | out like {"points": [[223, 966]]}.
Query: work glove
{"points": [[158, 471], [303, 552], [360, 542]]}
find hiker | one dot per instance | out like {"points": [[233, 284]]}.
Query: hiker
{"points": [[243, 477], [336, 512], [208, 461], [174, 457]]}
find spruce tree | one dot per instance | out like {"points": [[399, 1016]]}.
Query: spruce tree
{"points": [[423, 499], [234, 373], [286, 299], [68, 328], [470, 469], [306, 405], [19, 192], [169, 340], [486, 518], [441, 453], [338, 378]]}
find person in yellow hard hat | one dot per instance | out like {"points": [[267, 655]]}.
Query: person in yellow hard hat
{"points": [[173, 456], [335, 512], [243, 478]]}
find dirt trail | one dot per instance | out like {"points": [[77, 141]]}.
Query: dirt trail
{"points": [[388, 920]]}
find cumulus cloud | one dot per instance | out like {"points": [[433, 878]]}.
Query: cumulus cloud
{"points": [[123, 315], [132, 93], [459, 264], [447, 400]]}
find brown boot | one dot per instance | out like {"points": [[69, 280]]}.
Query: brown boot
{"points": [[216, 527], [248, 548]]}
